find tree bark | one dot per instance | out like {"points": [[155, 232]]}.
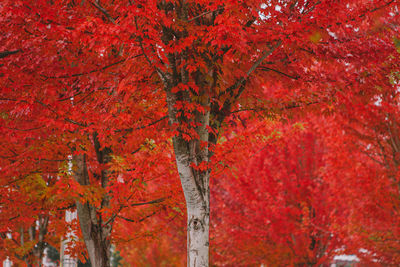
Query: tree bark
{"points": [[38, 250], [96, 233], [193, 151], [195, 183]]}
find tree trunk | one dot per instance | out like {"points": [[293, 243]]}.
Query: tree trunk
{"points": [[189, 154], [191, 149], [195, 185], [39, 236], [96, 233], [96, 239]]}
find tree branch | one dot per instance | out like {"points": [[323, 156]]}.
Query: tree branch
{"points": [[243, 80], [4, 54], [97, 5], [140, 220], [88, 72], [159, 200], [162, 75], [219, 113], [112, 218], [279, 72], [129, 130]]}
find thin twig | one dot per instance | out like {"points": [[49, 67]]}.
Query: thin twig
{"points": [[129, 130], [205, 13], [87, 72], [279, 72]]}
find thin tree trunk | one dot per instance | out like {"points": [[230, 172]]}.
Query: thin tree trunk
{"points": [[95, 232], [38, 250], [195, 186]]}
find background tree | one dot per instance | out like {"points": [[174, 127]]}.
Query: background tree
{"points": [[367, 159], [279, 210]]}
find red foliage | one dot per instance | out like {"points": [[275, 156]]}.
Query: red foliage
{"points": [[84, 77]]}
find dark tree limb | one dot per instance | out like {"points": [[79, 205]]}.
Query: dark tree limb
{"points": [[4, 54]]}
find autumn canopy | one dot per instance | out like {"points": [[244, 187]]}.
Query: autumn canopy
{"points": [[200, 133]]}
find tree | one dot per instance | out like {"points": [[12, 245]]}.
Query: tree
{"points": [[28, 220], [366, 161], [280, 210], [205, 55], [52, 108], [97, 72]]}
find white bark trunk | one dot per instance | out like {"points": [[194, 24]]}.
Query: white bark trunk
{"points": [[195, 185], [198, 212], [198, 236], [190, 153]]}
